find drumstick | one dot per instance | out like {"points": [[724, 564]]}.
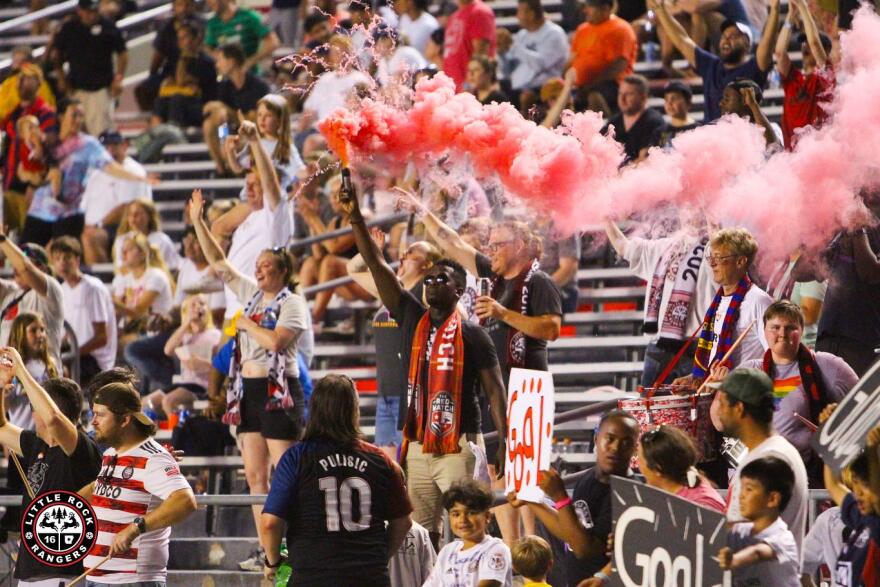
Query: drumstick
{"points": [[88, 572], [729, 352], [806, 422], [27, 484]]}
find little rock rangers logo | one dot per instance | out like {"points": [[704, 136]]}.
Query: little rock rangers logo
{"points": [[442, 414], [59, 528]]}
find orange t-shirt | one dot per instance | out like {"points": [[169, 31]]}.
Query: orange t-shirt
{"points": [[595, 46]]}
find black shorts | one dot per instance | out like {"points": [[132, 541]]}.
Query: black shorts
{"points": [[194, 388], [274, 424]]}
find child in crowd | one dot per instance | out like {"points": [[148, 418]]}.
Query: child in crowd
{"points": [[762, 550], [475, 559], [39, 168], [28, 337], [532, 558]]}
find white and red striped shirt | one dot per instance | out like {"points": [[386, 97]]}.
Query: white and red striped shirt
{"points": [[130, 485]]}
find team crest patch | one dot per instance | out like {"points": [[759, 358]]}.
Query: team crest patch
{"points": [[171, 471], [496, 561], [128, 472], [58, 528], [518, 348], [442, 414]]}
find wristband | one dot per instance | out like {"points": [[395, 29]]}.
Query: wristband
{"points": [[601, 576], [787, 24], [276, 565], [562, 503]]}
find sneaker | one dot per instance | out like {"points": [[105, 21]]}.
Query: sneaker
{"points": [[344, 327], [254, 562]]}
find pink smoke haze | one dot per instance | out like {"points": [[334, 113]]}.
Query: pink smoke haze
{"points": [[788, 199]]}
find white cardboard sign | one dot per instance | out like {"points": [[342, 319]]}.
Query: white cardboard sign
{"points": [[530, 410]]}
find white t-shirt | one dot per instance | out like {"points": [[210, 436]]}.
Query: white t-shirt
{"points": [[50, 307], [163, 242], [190, 276], [537, 56], [795, 513], [404, 60], [782, 572], [415, 558], [418, 31], [104, 192], [824, 541], [643, 256], [130, 289], [132, 484], [287, 172], [18, 406], [86, 303], [331, 91], [262, 229], [487, 561], [752, 308]]}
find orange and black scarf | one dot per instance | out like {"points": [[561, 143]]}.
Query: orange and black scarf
{"points": [[435, 393]]}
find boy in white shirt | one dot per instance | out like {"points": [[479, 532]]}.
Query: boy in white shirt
{"points": [[762, 550], [475, 559]]}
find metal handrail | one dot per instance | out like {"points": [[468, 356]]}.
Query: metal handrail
{"points": [[575, 414], [30, 17], [331, 234], [144, 16]]}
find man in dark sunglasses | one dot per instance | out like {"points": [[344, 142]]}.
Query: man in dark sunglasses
{"points": [[446, 357]]}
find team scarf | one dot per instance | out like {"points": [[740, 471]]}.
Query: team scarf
{"points": [[434, 393], [781, 284], [686, 273], [706, 341], [516, 340], [811, 379], [279, 397]]}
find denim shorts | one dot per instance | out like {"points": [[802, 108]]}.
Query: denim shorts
{"points": [[387, 433]]}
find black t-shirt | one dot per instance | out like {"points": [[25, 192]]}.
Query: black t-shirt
{"points": [[639, 135], [391, 372], [336, 500], [663, 135], [544, 298], [479, 354], [165, 42], [48, 468], [245, 98], [89, 51], [201, 67]]}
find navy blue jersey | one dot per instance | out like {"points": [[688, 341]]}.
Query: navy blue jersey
{"points": [[336, 499]]}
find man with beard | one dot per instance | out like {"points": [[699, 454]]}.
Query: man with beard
{"points": [[734, 59], [635, 124]]}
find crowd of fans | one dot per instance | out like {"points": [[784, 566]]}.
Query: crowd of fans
{"points": [[481, 287]]}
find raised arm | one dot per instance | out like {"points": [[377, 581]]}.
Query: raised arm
{"points": [[359, 272], [558, 106], [616, 237], [213, 252], [32, 276], [812, 32], [247, 130], [10, 434], [761, 119], [676, 32], [783, 61], [764, 53]]}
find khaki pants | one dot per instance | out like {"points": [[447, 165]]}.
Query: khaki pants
{"points": [[98, 110], [428, 476], [15, 207]]}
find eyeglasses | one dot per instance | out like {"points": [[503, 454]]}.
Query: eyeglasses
{"points": [[492, 247], [439, 279], [715, 259]]}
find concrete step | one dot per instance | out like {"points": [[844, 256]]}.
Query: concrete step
{"points": [[215, 578], [209, 553]]}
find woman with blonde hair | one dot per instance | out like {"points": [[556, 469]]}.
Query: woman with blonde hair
{"points": [[141, 216], [29, 338], [194, 342]]}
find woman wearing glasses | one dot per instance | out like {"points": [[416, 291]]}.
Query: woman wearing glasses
{"points": [[265, 400]]}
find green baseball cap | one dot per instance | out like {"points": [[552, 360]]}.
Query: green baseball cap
{"points": [[750, 386]]}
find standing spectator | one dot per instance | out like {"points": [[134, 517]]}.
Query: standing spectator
{"points": [[87, 43], [416, 24], [16, 151], [803, 382], [232, 24], [57, 455], [470, 32], [538, 53], [10, 97], [88, 307], [603, 51], [677, 97], [138, 495], [560, 260], [742, 97], [28, 338], [443, 415], [285, 19], [734, 58], [106, 197], [329, 542], [635, 124], [807, 89], [32, 289], [743, 406]]}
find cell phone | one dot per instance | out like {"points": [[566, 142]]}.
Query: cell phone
{"points": [[223, 131], [485, 286]]}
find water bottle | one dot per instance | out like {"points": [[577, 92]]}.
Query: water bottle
{"points": [[282, 575], [182, 415], [652, 51], [774, 80], [151, 413]]}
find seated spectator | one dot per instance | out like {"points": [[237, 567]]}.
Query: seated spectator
{"points": [[194, 342], [142, 217], [416, 23], [434, 49], [483, 81], [395, 61], [196, 276], [142, 289], [537, 53], [88, 307], [809, 89], [677, 97], [32, 289], [22, 64], [476, 558], [734, 58], [603, 51], [240, 90], [762, 548], [187, 87], [106, 199], [234, 24], [17, 153], [40, 168], [333, 87], [635, 124], [532, 558], [470, 32], [273, 123], [742, 97], [28, 337]]}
